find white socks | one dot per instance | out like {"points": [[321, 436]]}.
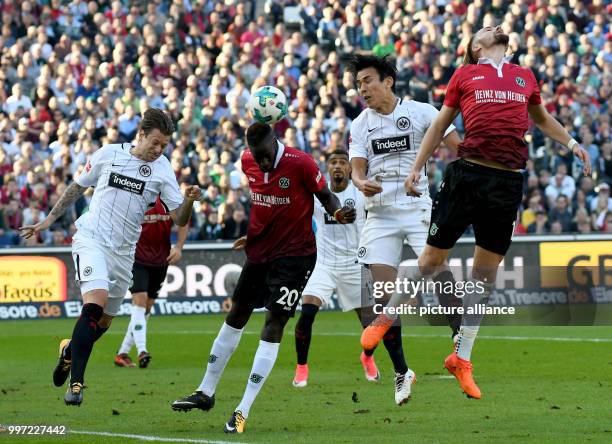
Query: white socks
{"points": [[265, 357], [128, 341], [134, 336], [465, 341], [226, 342], [471, 323], [138, 326]]}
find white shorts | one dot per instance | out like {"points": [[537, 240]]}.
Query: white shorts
{"points": [[99, 267], [345, 282], [384, 231]]}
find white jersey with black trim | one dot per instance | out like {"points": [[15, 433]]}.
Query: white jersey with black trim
{"points": [[125, 187], [337, 243], [390, 144]]}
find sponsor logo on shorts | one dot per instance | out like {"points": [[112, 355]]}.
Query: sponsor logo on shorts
{"points": [[87, 271], [138, 327], [255, 378], [520, 82], [212, 359], [433, 230], [126, 183], [361, 252], [144, 170], [349, 203], [403, 123], [391, 145], [283, 182]]}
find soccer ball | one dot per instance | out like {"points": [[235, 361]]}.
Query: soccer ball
{"points": [[268, 105]]}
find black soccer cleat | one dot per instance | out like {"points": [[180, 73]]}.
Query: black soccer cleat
{"points": [[143, 359], [236, 423], [197, 400], [62, 369], [74, 394]]}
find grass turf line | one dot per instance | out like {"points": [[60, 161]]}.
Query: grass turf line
{"points": [[533, 391]]}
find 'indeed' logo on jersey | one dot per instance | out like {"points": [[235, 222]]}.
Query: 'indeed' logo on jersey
{"points": [[391, 145], [329, 220], [126, 183]]}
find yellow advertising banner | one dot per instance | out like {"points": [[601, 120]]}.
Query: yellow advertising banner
{"points": [[585, 263], [32, 279]]}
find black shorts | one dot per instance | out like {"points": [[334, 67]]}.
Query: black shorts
{"points": [[471, 194], [276, 285], [148, 279]]}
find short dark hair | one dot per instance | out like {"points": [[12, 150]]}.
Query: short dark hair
{"points": [[470, 58], [257, 132], [155, 118], [385, 66], [338, 152]]}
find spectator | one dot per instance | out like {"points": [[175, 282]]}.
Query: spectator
{"points": [[211, 229], [561, 184], [17, 103], [76, 75], [236, 226], [561, 213], [540, 224]]}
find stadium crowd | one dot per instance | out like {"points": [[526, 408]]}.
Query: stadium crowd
{"points": [[76, 75]]}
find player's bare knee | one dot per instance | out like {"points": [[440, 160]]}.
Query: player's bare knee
{"points": [[96, 296], [140, 299], [431, 260], [239, 315]]}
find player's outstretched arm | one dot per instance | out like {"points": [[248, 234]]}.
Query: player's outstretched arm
{"points": [[176, 252], [344, 215], [553, 129], [70, 196], [182, 214], [430, 142]]}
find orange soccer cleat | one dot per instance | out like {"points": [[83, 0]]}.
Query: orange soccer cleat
{"points": [[369, 367], [375, 332], [123, 360], [462, 370], [301, 376]]}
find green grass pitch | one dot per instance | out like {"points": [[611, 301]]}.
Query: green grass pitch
{"points": [[553, 389]]}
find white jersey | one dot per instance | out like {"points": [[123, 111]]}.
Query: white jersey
{"points": [[390, 143], [125, 188], [337, 243]]}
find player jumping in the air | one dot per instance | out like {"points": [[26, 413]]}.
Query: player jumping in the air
{"points": [[384, 140], [337, 270], [153, 255], [281, 253], [484, 187], [127, 180]]}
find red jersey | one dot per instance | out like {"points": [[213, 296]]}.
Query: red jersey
{"points": [[153, 247], [494, 103], [280, 223]]}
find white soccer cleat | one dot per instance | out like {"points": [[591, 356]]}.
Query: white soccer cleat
{"points": [[403, 385]]}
